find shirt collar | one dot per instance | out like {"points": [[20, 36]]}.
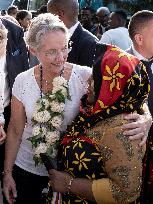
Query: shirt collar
{"points": [[138, 55], [73, 28]]}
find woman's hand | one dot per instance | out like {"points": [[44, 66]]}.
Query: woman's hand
{"points": [[137, 127], [59, 181], [2, 135], [9, 188], [62, 182]]}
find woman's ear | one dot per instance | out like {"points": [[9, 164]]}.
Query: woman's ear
{"points": [[32, 51]]}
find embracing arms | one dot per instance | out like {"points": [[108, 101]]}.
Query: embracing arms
{"points": [[123, 164]]}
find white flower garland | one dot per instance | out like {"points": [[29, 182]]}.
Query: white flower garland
{"points": [[47, 120]]}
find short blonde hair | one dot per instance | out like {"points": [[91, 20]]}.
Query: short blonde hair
{"points": [[40, 26]]}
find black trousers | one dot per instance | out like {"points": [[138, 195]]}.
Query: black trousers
{"points": [[29, 187]]}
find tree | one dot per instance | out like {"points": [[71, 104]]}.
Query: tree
{"points": [[132, 6]]}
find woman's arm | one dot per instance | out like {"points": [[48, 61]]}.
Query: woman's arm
{"points": [[64, 183], [14, 136]]}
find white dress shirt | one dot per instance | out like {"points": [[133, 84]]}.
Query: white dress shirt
{"points": [[73, 28], [140, 57]]}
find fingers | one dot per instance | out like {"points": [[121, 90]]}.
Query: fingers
{"points": [[133, 131], [9, 189], [2, 135], [137, 136], [10, 196], [143, 142], [131, 125], [132, 116]]}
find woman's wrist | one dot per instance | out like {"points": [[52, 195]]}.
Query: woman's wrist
{"points": [[7, 172]]}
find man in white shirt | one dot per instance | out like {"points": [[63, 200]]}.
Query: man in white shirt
{"points": [[117, 35], [141, 33]]}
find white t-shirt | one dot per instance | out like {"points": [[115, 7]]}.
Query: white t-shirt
{"points": [[26, 90], [118, 36]]}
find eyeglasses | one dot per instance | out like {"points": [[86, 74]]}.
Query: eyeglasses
{"points": [[55, 53]]}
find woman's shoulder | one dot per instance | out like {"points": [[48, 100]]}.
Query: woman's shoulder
{"points": [[25, 75], [82, 70]]}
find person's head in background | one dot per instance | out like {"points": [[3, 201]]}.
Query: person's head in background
{"points": [[3, 39], [42, 9], [47, 38], [12, 11], [67, 10], [3, 12], [86, 15], [103, 16], [24, 18], [141, 32], [118, 18]]}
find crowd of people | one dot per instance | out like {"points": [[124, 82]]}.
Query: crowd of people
{"points": [[75, 105]]}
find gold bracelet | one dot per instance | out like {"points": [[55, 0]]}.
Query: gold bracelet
{"points": [[69, 185], [7, 171]]}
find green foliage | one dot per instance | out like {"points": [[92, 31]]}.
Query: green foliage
{"points": [[36, 140], [132, 6], [37, 160]]}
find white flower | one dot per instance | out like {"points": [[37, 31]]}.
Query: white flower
{"points": [[42, 116], [59, 81], [52, 96], [52, 137], [63, 90], [42, 148], [44, 130], [56, 121], [57, 107], [36, 130]]}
